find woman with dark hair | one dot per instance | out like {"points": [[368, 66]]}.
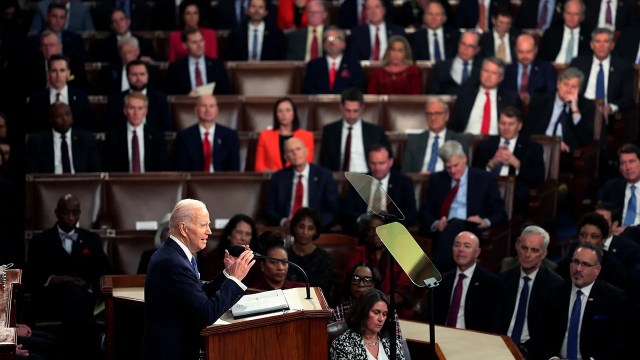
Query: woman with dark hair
{"points": [[398, 74], [274, 272], [315, 261], [367, 335], [190, 19], [292, 14], [286, 124]]}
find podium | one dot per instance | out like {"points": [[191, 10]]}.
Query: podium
{"points": [[298, 333], [8, 335]]}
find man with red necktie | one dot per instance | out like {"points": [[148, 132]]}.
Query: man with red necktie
{"points": [[369, 41]]}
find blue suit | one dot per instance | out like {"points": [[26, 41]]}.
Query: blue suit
{"points": [[360, 40], [323, 195], [316, 76], [178, 306], [542, 78], [226, 149]]}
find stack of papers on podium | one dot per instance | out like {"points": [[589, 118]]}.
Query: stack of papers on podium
{"points": [[260, 303]]}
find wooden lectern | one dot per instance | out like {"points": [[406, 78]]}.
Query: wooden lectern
{"points": [[298, 333], [8, 335]]}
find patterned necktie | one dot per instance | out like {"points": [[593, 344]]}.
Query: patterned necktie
{"points": [[313, 52], [135, 153], [521, 313], [375, 56], [298, 195], [452, 320], [194, 266], [524, 81], [501, 52], [254, 46], [198, 75], [570, 45], [574, 327], [465, 72], [64, 155], [486, 114], [436, 48], [347, 150], [448, 201], [542, 20], [600, 93], [332, 75], [206, 152], [630, 216], [435, 150]]}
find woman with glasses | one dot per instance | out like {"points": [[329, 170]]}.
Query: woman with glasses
{"points": [[398, 74], [274, 272]]}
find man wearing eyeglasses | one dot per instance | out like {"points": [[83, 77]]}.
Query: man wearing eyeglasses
{"points": [[586, 318]]}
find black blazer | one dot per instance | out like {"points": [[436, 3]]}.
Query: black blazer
{"points": [[40, 103], [627, 44], [443, 84], [360, 40], [72, 45], [316, 76], [106, 49], [188, 149], [552, 42], [619, 86], [528, 14], [488, 46], [542, 78], [179, 81], [40, 152], [626, 13], [332, 142], [481, 303], [116, 153], [464, 104], [36, 77], [110, 81], [348, 15], [420, 43], [158, 114], [613, 193], [274, 44]]}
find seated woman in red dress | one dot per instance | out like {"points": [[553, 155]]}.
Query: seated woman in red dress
{"points": [[399, 75], [190, 19], [292, 14], [274, 273], [269, 151]]}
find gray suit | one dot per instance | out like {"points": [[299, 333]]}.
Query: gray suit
{"points": [[79, 17], [297, 44], [417, 148]]}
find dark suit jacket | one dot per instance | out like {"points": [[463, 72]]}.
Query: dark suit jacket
{"points": [[400, 190], [140, 19], [316, 76], [613, 272], [626, 252], [332, 142], [420, 43], [545, 283], [297, 44], [541, 110], [40, 103], [106, 49], [416, 149], [467, 12], [188, 149], [274, 44], [348, 15], [79, 17], [488, 46], [110, 78], [627, 44], [40, 158], [602, 327], [528, 15], [177, 310], [179, 81], [619, 86], [542, 78], [483, 197], [466, 98], [72, 45], [442, 83], [158, 115], [531, 174], [481, 303], [626, 13], [552, 42], [116, 153], [36, 77], [360, 40], [613, 193], [323, 195]]}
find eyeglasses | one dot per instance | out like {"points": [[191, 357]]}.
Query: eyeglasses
{"points": [[577, 262], [366, 280]]}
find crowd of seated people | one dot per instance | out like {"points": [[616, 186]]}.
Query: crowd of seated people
{"points": [[514, 71]]}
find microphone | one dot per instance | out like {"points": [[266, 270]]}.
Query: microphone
{"points": [[236, 250]]}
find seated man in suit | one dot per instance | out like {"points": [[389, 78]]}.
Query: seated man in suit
{"points": [[207, 146], [58, 91], [196, 69], [258, 39], [585, 319], [346, 142], [459, 198], [77, 16], [397, 186], [369, 41], [434, 41], [135, 147], [524, 293], [56, 21], [314, 188], [511, 153], [539, 14], [611, 14], [335, 72], [159, 113], [620, 247], [306, 44], [421, 153], [528, 76], [467, 282], [106, 49], [565, 114], [564, 41], [63, 271], [61, 149], [353, 13], [478, 105], [451, 75], [500, 42], [477, 14], [136, 12], [623, 193]]}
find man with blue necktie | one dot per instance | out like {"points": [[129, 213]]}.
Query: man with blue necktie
{"points": [[258, 39], [623, 192], [451, 75]]}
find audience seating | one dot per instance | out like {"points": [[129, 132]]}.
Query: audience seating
{"points": [[276, 78], [258, 112], [99, 106], [126, 247], [543, 202]]}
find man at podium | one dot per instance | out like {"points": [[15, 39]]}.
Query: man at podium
{"points": [[177, 305]]}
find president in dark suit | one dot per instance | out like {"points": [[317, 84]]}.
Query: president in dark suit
{"points": [[61, 149], [459, 198], [314, 188], [477, 286], [524, 293], [468, 13], [320, 76], [207, 146], [526, 75], [622, 192], [586, 317], [177, 304], [424, 41], [196, 69], [346, 142], [451, 75], [564, 41], [512, 154], [368, 41], [258, 40]]}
